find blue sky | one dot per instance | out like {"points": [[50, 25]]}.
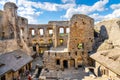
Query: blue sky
{"points": [[42, 11]]}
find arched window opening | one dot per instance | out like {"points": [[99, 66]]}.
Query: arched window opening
{"points": [[21, 32], [61, 31], [41, 32], [67, 30], [33, 32], [50, 32], [51, 42]]}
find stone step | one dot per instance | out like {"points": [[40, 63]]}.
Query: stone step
{"points": [[92, 78]]}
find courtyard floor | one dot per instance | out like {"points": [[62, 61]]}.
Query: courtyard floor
{"points": [[37, 61], [67, 74]]}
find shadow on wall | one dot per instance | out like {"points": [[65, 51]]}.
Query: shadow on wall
{"points": [[103, 33], [99, 72], [100, 37]]}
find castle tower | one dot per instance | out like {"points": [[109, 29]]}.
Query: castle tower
{"points": [[81, 36], [10, 20]]}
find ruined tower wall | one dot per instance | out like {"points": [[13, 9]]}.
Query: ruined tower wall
{"points": [[53, 25], [81, 31], [81, 37], [10, 38], [8, 28], [10, 20]]}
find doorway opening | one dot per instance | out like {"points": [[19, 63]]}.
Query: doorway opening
{"points": [[72, 63], [65, 64]]}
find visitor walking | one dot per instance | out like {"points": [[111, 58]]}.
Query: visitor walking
{"points": [[29, 77]]}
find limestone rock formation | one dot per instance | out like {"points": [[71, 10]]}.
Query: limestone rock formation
{"points": [[106, 45], [109, 32]]}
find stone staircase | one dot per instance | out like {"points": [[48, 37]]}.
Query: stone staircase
{"points": [[91, 76], [94, 78]]}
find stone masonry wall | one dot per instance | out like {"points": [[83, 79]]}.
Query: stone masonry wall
{"points": [[81, 37], [8, 45], [50, 58], [81, 31]]}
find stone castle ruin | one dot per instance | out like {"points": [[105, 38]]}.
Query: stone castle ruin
{"points": [[75, 49], [15, 56], [75, 53]]}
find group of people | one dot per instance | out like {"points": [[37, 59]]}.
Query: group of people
{"points": [[26, 75]]}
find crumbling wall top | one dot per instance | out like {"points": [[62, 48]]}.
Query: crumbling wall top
{"points": [[59, 23], [10, 5], [75, 17], [22, 20]]}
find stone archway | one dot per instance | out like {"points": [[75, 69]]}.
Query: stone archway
{"points": [[65, 64], [80, 62], [72, 63]]}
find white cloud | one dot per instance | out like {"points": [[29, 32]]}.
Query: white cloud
{"points": [[28, 9], [47, 6], [70, 12], [114, 14], [25, 9], [15, 1], [66, 6], [68, 1], [97, 16], [85, 9], [52, 6], [115, 6], [30, 13], [2, 2], [99, 6]]}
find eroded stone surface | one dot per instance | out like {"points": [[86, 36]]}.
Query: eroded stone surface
{"points": [[109, 31]]}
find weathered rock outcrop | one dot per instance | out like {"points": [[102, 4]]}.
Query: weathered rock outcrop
{"points": [[109, 32]]}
